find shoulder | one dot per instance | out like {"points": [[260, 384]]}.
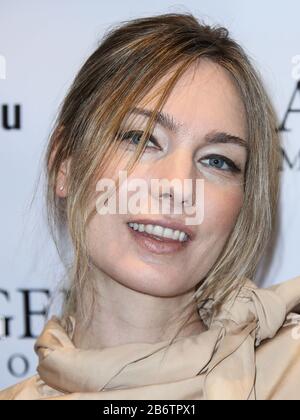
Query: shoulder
{"points": [[25, 390], [278, 363]]}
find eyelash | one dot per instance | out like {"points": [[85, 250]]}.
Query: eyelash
{"points": [[128, 134], [232, 166]]}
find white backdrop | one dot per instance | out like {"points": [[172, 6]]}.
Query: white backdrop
{"points": [[42, 46]]}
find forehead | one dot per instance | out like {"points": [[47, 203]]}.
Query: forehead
{"points": [[204, 98]]}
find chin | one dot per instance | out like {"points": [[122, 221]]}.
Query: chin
{"points": [[156, 285]]}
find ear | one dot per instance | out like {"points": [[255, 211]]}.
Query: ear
{"points": [[62, 177]]}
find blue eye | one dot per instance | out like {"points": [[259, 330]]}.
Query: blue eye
{"points": [[218, 162], [135, 137]]}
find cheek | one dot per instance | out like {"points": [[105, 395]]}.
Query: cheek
{"points": [[104, 246], [101, 233], [222, 207]]}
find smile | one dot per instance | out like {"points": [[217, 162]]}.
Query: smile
{"points": [[160, 231], [157, 239]]}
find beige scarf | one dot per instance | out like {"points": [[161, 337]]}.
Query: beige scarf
{"points": [[216, 364]]}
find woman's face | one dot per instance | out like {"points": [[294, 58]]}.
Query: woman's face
{"points": [[203, 102]]}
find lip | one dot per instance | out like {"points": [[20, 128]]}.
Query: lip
{"points": [[167, 223], [156, 245]]}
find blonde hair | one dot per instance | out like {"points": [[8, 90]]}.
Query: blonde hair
{"points": [[129, 61]]}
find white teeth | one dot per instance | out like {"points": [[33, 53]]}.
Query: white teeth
{"points": [[176, 234], [157, 230], [141, 228], [168, 233], [149, 229], [181, 236]]}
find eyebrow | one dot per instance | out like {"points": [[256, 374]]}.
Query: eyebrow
{"points": [[167, 121]]}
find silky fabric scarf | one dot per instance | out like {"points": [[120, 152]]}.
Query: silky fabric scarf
{"points": [[216, 364]]}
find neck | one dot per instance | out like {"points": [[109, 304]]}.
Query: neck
{"points": [[121, 315]]}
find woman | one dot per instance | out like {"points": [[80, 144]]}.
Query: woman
{"points": [[158, 308]]}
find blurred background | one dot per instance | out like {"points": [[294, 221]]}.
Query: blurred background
{"points": [[42, 46]]}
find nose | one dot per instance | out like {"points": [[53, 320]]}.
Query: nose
{"points": [[178, 170]]}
